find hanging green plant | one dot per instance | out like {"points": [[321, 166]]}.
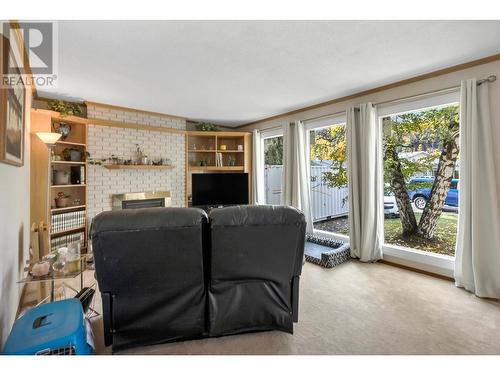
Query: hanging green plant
{"points": [[65, 108], [206, 127]]}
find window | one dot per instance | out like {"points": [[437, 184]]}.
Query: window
{"points": [[421, 169], [273, 166], [328, 173]]}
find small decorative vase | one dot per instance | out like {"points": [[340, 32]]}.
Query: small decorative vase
{"points": [[62, 128], [62, 202]]}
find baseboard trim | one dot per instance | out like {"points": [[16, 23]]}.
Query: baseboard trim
{"points": [[408, 268]]}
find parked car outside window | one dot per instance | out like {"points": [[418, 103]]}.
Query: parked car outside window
{"points": [[422, 192], [390, 206]]}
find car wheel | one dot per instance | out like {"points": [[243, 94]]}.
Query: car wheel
{"points": [[420, 202]]}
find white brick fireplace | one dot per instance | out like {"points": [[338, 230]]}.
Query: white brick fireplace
{"points": [[104, 141]]}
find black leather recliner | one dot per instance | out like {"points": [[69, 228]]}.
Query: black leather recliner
{"points": [[165, 274], [256, 261], [149, 266]]}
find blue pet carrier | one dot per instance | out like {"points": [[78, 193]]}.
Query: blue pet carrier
{"points": [[57, 328]]}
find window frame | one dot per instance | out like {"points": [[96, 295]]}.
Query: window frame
{"points": [[317, 124], [267, 134], [425, 260]]}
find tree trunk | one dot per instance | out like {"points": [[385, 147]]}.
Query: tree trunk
{"points": [[440, 187], [398, 185]]}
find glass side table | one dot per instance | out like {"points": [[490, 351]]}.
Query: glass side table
{"points": [[53, 276]]}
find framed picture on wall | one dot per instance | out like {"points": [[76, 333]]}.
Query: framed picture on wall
{"points": [[12, 109]]}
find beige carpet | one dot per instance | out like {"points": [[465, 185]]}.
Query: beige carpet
{"points": [[361, 308]]}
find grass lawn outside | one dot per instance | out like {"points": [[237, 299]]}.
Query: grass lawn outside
{"points": [[442, 243]]}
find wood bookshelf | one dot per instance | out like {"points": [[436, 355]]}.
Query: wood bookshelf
{"points": [[202, 148], [43, 121]]}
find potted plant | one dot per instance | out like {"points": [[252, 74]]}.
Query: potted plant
{"points": [[61, 177], [72, 154], [231, 160], [62, 200], [206, 127], [65, 108]]}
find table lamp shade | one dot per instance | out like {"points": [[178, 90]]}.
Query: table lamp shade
{"points": [[48, 138]]}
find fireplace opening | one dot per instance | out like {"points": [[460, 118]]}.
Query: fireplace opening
{"points": [[145, 199], [145, 203]]}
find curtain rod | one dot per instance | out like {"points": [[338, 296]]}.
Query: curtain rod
{"points": [[491, 78]]}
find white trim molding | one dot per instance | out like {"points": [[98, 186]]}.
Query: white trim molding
{"points": [[421, 260], [325, 122]]}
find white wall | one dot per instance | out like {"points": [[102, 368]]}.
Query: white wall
{"points": [[14, 231], [103, 141]]}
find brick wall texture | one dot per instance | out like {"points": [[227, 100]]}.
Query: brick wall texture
{"points": [[104, 141]]}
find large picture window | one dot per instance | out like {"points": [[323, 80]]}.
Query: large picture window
{"points": [[421, 178], [328, 173], [273, 167]]}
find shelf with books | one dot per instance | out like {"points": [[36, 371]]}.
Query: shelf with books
{"points": [[67, 222], [65, 239]]}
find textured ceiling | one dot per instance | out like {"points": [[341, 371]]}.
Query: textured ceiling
{"points": [[233, 72]]}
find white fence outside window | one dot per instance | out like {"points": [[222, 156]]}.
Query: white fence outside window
{"points": [[326, 202]]}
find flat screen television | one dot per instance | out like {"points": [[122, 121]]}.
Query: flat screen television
{"points": [[219, 189]]}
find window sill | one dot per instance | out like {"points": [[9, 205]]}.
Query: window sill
{"points": [[435, 263], [421, 260]]}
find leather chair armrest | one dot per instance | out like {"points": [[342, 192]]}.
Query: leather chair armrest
{"points": [[295, 298]]}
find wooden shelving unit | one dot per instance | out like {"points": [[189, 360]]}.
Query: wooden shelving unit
{"points": [[43, 121], [202, 148], [122, 166]]}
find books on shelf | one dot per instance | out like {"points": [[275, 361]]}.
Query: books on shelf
{"points": [[58, 242], [67, 221]]}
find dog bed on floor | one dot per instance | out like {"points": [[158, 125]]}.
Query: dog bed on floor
{"points": [[326, 252]]}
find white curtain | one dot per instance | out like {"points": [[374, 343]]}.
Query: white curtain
{"points": [[257, 169], [296, 180], [477, 257], [364, 155]]}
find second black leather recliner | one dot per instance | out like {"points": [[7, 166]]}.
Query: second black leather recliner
{"points": [[256, 259], [170, 274]]}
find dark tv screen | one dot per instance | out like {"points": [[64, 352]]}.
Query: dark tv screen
{"points": [[212, 189]]}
